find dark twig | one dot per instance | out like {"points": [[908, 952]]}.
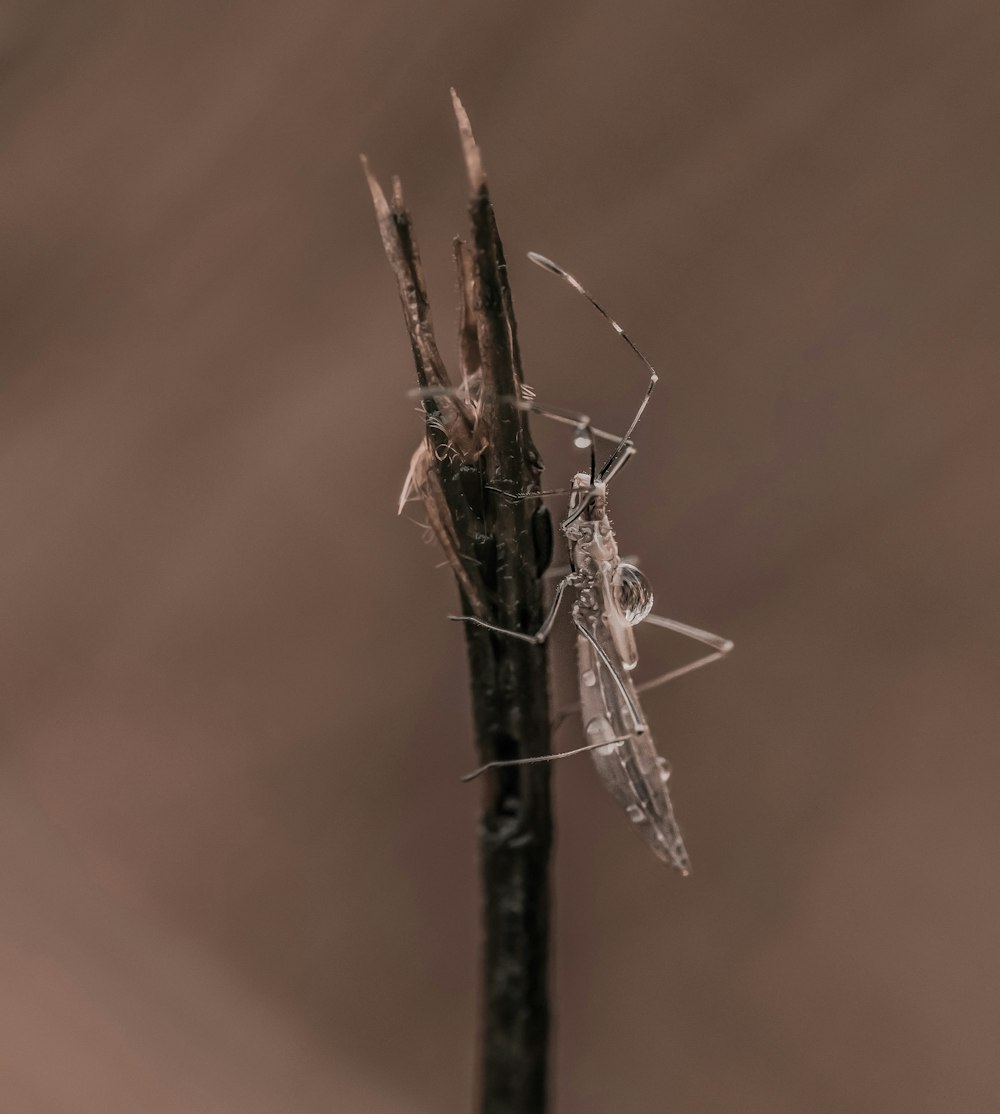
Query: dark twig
{"points": [[476, 447]]}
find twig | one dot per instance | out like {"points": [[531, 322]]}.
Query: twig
{"points": [[476, 447]]}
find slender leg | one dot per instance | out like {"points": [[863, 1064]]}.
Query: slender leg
{"points": [[557, 572], [586, 431], [618, 462], [545, 757], [578, 510], [586, 435], [720, 648], [520, 496], [543, 631]]}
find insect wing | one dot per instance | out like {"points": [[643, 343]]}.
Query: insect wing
{"points": [[630, 767]]}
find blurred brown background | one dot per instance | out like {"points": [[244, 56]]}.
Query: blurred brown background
{"points": [[238, 869]]}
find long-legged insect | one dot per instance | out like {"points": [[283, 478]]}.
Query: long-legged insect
{"points": [[612, 598]]}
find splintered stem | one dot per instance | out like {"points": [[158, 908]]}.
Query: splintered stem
{"points": [[476, 448]]}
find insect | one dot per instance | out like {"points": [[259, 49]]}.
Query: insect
{"points": [[612, 598]]}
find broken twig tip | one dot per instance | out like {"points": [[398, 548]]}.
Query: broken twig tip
{"points": [[378, 197], [473, 158]]}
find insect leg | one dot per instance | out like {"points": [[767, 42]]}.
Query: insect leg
{"points": [[543, 631], [586, 432], [587, 495], [560, 571], [720, 648], [625, 456], [545, 757], [520, 496]]}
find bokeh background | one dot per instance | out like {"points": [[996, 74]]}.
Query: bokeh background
{"points": [[238, 870]]}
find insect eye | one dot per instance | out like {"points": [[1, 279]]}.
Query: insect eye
{"points": [[633, 594]]}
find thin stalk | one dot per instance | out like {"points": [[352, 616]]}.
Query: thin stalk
{"points": [[476, 446]]}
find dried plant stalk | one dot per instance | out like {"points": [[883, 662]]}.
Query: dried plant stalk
{"points": [[477, 446]]}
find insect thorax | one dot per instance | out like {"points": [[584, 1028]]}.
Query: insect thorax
{"points": [[591, 537]]}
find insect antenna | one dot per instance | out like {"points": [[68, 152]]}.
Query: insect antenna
{"points": [[625, 443]]}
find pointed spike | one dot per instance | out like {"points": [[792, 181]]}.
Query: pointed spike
{"points": [[378, 196], [473, 158]]}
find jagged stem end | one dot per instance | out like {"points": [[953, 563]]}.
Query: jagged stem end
{"points": [[477, 446]]}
